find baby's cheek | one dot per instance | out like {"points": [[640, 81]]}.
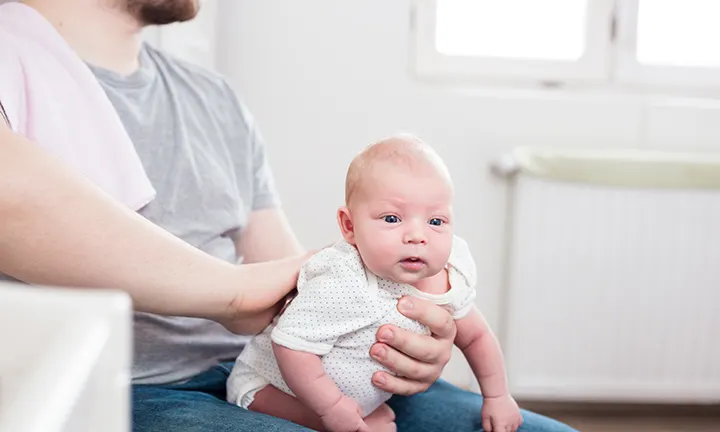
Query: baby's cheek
{"points": [[375, 257], [380, 250], [440, 257]]}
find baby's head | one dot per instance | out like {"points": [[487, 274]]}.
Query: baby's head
{"points": [[398, 209]]}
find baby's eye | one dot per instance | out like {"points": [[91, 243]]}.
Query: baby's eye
{"points": [[391, 219], [436, 221]]}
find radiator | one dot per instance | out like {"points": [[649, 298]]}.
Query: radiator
{"points": [[612, 278]]}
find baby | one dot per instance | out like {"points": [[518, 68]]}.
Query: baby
{"points": [[312, 364]]}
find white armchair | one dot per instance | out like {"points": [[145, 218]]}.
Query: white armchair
{"points": [[65, 359]]}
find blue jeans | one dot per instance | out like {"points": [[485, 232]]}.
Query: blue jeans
{"points": [[199, 405]]}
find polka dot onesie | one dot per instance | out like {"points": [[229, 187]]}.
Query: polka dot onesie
{"points": [[339, 308]]}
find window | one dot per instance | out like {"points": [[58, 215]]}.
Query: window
{"points": [[655, 43], [670, 43]]}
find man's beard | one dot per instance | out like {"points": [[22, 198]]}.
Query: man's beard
{"points": [[159, 12]]}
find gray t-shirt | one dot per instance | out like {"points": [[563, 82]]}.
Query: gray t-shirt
{"points": [[205, 158]]}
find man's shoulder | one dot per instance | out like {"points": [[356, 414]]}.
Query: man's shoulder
{"points": [[194, 74], [213, 86]]}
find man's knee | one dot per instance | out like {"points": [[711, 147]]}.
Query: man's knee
{"points": [[157, 409]]}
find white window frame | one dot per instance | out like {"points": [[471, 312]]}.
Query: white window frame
{"points": [[609, 60], [628, 71]]}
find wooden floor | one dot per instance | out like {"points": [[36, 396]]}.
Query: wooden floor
{"points": [[625, 418], [585, 423]]}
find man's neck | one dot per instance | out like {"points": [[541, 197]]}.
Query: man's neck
{"points": [[101, 36]]}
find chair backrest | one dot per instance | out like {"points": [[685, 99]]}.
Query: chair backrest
{"points": [[65, 363]]}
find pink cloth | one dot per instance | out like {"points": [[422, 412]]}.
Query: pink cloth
{"points": [[52, 98]]}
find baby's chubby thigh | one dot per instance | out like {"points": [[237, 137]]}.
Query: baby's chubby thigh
{"points": [[350, 366]]}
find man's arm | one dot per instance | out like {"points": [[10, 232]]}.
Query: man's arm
{"points": [[267, 236], [60, 229]]}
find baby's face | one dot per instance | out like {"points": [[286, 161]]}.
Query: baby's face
{"points": [[402, 223]]}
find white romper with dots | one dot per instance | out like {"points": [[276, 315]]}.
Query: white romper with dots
{"points": [[338, 310]]}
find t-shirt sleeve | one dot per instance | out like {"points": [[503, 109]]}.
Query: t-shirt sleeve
{"points": [[11, 82], [333, 300], [463, 277], [264, 192]]}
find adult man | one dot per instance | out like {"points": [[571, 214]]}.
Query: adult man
{"points": [[204, 157]]}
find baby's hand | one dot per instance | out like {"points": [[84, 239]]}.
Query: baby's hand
{"points": [[501, 414], [344, 416]]}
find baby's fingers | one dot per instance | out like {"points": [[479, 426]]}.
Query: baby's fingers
{"points": [[517, 423], [363, 427], [487, 424], [500, 425]]}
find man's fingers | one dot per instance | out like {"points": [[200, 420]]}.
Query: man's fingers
{"points": [[437, 319], [397, 385], [418, 346], [405, 366]]}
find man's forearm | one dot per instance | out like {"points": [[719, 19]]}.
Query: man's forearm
{"points": [[59, 229], [304, 374], [268, 236], [482, 350]]}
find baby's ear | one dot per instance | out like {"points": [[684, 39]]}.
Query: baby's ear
{"points": [[346, 226]]}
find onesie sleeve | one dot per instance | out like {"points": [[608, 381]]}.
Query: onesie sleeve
{"points": [[11, 82], [463, 277], [334, 299]]}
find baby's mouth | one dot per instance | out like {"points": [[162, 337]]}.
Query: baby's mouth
{"points": [[413, 263]]}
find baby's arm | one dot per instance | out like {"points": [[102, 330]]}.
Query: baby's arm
{"points": [[333, 300], [303, 372], [482, 350]]}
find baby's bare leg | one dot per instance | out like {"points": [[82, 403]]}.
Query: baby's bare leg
{"points": [[277, 403], [382, 419]]}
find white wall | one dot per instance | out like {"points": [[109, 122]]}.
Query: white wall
{"points": [[325, 77], [193, 41]]}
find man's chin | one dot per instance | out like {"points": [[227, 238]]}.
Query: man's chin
{"points": [[161, 12]]}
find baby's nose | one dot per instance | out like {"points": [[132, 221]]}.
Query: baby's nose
{"points": [[415, 236]]}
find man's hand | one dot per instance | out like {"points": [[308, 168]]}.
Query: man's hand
{"points": [[418, 360], [263, 293], [501, 414], [250, 325]]}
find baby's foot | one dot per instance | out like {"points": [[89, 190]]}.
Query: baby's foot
{"points": [[382, 419]]}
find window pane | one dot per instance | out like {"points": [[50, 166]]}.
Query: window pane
{"points": [[526, 29], [679, 32]]}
